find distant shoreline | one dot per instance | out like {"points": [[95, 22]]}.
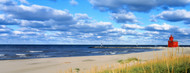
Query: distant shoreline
{"points": [[127, 47]]}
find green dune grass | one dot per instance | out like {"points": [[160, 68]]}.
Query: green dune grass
{"points": [[170, 64], [165, 65]]}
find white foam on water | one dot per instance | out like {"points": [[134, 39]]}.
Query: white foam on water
{"points": [[136, 50], [35, 51], [44, 56], [125, 51], [21, 55], [1, 55], [113, 52], [96, 52]]}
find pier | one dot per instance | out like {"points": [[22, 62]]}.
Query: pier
{"points": [[121, 47]]}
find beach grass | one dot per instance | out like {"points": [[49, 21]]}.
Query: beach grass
{"points": [[171, 61], [128, 60], [167, 65]]}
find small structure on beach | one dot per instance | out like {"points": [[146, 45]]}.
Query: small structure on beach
{"points": [[172, 43]]}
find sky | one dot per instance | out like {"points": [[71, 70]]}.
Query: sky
{"points": [[128, 22]]}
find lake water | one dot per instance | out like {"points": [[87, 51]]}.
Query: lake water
{"points": [[10, 52]]}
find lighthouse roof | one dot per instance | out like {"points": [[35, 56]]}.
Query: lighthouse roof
{"points": [[171, 36]]}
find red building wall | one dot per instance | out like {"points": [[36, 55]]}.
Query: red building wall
{"points": [[172, 43]]}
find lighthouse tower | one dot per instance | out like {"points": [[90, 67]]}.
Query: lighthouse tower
{"points": [[172, 43]]}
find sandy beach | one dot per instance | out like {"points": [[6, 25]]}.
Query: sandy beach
{"points": [[54, 65]]}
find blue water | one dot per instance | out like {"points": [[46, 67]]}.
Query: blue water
{"points": [[10, 52]]}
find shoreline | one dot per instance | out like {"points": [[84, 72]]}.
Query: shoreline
{"points": [[152, 48], [77, 56], [54, 65]]}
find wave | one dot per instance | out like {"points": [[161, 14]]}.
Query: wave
{"points": [[112, 53], [1, 55], [21, 55], [35, 51], [96, 52], [125, 51], [42, 56]]}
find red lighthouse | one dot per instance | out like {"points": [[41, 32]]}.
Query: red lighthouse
{"points": [[172, 43]]}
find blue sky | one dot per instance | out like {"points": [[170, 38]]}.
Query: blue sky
{"points": [[146, 22]]}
